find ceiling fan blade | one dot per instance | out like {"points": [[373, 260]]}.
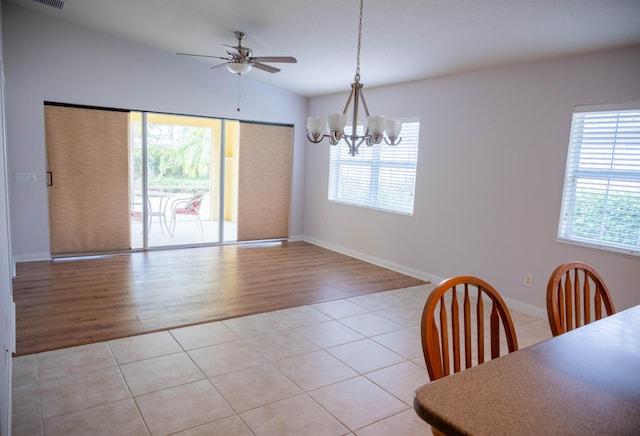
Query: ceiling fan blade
{"points": [[267, 68], [233, 51], [219, 65], [203, 56], [284, 59]]}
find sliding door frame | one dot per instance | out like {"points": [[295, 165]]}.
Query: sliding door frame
{"points": [[221, 213]]}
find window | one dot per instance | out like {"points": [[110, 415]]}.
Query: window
{"points": [[381, 177], [601, 199]]}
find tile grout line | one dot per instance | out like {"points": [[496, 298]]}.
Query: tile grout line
{"points": [[288, 328]]}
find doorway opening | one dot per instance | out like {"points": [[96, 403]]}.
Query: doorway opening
{"points": [[184, 180]]}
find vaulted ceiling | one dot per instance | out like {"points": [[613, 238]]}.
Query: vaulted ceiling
{"points": [[403, 40]]}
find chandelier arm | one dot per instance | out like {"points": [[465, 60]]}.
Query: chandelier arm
{"points": [[356, 104], [315, 140], [394, 142], [366, 111], [349, 100], [364, 103], [350, 144], [334, 139], [354, 150], [354, 143]]}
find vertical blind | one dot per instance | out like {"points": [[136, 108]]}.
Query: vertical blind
{"points": [[380, 177], [601, 198], [87, 154], [264, 181]]}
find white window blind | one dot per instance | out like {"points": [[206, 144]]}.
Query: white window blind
{"points": [[381, 177], [601, 198]]}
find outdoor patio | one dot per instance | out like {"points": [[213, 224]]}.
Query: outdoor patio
{"points": [[186, 231]]}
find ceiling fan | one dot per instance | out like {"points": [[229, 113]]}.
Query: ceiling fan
{"points": [[240, 59]]}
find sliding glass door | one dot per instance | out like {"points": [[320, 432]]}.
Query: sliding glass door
{"points": [[190, 179], [125, 180]]}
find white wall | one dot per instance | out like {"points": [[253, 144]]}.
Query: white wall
{"points": [[491, 164], [50, 59]]}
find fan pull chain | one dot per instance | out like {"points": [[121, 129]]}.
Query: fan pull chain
{"points": [[239, 91]]}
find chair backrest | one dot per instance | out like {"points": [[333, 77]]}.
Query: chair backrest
{"points": [[194, 202], [454, 320], [576, 295]]}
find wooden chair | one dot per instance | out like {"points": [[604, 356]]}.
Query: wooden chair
{"points": [[570, 303], [454, 323]]}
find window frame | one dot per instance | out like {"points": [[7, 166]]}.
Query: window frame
{"points": [[373, 159], [595, 139]]}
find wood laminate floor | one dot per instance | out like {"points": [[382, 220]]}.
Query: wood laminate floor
{"points": [[69, 302]]}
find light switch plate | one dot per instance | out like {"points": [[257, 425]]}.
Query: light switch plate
{"points": [[26, 177]]}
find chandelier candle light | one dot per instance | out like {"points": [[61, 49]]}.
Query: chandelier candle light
{"points": [[375, 128]]}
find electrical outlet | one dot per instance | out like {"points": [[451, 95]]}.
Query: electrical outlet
{"points": [[528, 279]]}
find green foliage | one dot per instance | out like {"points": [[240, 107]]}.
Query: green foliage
{"points": [[178, 184], [607, 217], [178, 152]]}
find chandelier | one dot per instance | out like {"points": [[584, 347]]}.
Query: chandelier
{"points": [[375, 128]]}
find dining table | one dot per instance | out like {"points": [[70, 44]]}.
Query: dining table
{"points": [[583, 382]]}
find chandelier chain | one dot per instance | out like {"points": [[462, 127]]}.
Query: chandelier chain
{"points": [[357, 77]]}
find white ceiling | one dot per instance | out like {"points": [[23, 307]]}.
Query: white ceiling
{"points": [[403, 40]]}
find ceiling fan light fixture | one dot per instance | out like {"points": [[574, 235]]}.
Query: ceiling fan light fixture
{"points": [[239, 68], [239, 59]]}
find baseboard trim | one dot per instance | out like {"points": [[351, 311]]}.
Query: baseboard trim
{"points": [[422, 275], [33, 257], [515, 305]]}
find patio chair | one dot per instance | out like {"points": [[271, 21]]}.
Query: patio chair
{"points": [[188, 206]]}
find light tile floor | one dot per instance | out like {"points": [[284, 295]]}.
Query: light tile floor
{"points": [[345, 367]]}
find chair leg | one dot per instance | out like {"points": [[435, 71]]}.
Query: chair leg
{"points": [[200, 224], [172, 229]]}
